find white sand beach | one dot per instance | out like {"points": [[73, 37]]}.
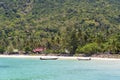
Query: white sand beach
{"points": [[59, 57]]}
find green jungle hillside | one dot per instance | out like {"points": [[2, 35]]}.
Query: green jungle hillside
{"points": [[77, 26]]}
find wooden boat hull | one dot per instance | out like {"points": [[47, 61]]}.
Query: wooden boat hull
{"points": [[84, 59], [48, 58]]}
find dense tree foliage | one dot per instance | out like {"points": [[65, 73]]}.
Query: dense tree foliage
{"points": [[79, 26]]}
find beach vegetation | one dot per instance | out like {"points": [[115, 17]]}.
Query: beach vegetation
{"points": [[89, 49], [2, 50]]}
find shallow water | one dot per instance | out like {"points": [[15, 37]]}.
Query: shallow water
{"points": [[35, 69]]}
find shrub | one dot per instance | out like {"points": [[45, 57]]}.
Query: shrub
{"points": [[2, 50], [89, 49]]}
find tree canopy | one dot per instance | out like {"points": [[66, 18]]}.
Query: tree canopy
{"points": [[75, 25]]}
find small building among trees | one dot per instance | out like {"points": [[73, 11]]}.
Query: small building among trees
{"points": [[39, 50]]}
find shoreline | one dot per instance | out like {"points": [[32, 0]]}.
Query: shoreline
{"points": [[59, 57]]}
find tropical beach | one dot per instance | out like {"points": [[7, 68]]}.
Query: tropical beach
{"points": [[42, 26], [59, 57], [59, 39]]}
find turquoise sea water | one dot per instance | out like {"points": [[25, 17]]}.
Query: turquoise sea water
{"points": [[35, 69]]}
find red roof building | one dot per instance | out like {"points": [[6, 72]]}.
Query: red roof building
{"points": [[39, 49]]}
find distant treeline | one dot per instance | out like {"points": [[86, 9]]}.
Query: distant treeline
{"points": [[60, 26]]}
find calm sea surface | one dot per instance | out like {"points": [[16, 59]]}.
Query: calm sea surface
{"points": [[35, 69]]}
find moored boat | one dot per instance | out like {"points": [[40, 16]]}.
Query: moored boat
{"points": [[86, 59], [48, 58]]}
